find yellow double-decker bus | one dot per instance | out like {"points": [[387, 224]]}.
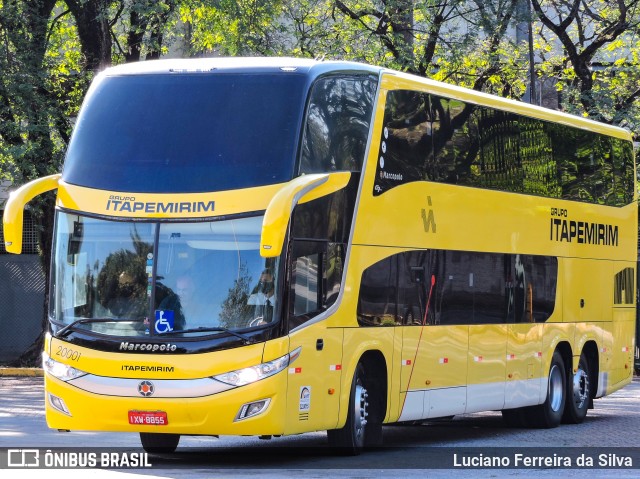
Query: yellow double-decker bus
{"points": [[275, 246]]}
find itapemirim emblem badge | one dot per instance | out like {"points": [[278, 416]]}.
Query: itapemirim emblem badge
{"points": [[146, 388]]}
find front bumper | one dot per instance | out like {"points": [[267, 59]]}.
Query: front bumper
{"points": [[212, 414]]}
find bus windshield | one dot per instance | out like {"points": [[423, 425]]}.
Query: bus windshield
{"points": [[143, 279], [188, 133]]}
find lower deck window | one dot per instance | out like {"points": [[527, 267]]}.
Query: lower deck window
{"points": [[457, 287]]}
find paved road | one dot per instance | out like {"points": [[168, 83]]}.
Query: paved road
{"points": [[408, 450]]}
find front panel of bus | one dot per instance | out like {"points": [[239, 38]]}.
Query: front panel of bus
{"points": [[165, 316]]}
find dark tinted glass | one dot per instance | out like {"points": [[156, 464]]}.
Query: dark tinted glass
{"points": [[457, 287], [426, 137], [337, 124], [592, 167], [187, 132], [319, 236], [378, 299], [207, 274], [623, 170], [456, 141], [415, 293]]}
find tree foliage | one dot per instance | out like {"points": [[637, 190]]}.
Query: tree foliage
{"points": [[49, 52], [592, 48], [589, 49]]}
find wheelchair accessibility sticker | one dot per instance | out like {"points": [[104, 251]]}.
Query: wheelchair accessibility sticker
{"points": [[164, 322]]}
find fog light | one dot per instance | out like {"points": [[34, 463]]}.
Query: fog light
{"points": [[58, 404], [252, 409]]}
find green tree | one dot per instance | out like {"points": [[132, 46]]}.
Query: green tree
{"points": [[592, 48], [49, 52]]}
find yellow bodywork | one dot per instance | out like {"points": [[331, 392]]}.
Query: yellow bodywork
{"points": [[14, 209], [186, 415], [300, 190]]}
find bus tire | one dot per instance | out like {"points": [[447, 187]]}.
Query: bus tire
{"points": [[157, 443], [578, 394], [350, 439], [549, 414]]}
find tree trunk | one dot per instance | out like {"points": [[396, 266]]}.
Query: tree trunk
{"points": [[94, 31]]}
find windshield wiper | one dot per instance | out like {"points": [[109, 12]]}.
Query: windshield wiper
{"points": [[202, 329], [69, 327]]}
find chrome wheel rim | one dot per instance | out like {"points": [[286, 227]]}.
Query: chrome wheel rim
{"points": [[360, 413], [556, 391], [580, 388]]}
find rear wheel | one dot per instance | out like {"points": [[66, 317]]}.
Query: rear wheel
{"points": [[159, 443], [578, 394], [350, 439], [549, 414]]}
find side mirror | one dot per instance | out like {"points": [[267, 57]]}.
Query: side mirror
{"points": [[299, 190], [14, 209]]}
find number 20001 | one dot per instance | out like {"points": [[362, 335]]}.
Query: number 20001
{"points": [[68, 353]]}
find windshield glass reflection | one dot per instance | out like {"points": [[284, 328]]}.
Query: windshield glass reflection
{"points": [[203, 275], [212, 275]]}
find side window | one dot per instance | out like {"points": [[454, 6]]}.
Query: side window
{"points": [[518, 289], [499, 162], [337, 124], [319, 235], [427, 137], [315, 278], [415, 289], [439, 287], [304, 282], [377, 302], [485, 284], [623, 164], [406, 146], [456, 142], [530, 287], [455, 288], [536, 156], [585, 164]]}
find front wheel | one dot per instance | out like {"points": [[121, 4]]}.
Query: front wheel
{"points": [[350, 439], [159, 443], [578, 394], [549, 413]]}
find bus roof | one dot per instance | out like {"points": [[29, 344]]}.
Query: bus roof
{"points": [[395, 79], [238, 64], [398, 80]]}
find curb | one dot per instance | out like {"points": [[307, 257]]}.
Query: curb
{"points": [[33, 372]]}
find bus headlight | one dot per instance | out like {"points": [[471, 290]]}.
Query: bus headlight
{"points": [[59, 370], [242, 377]]}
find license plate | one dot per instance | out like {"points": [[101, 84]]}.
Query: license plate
{"points": [[148, 418]]}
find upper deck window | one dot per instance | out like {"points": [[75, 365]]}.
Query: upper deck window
{"points": [[430, 138], [187, 132], [337, 123]]}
